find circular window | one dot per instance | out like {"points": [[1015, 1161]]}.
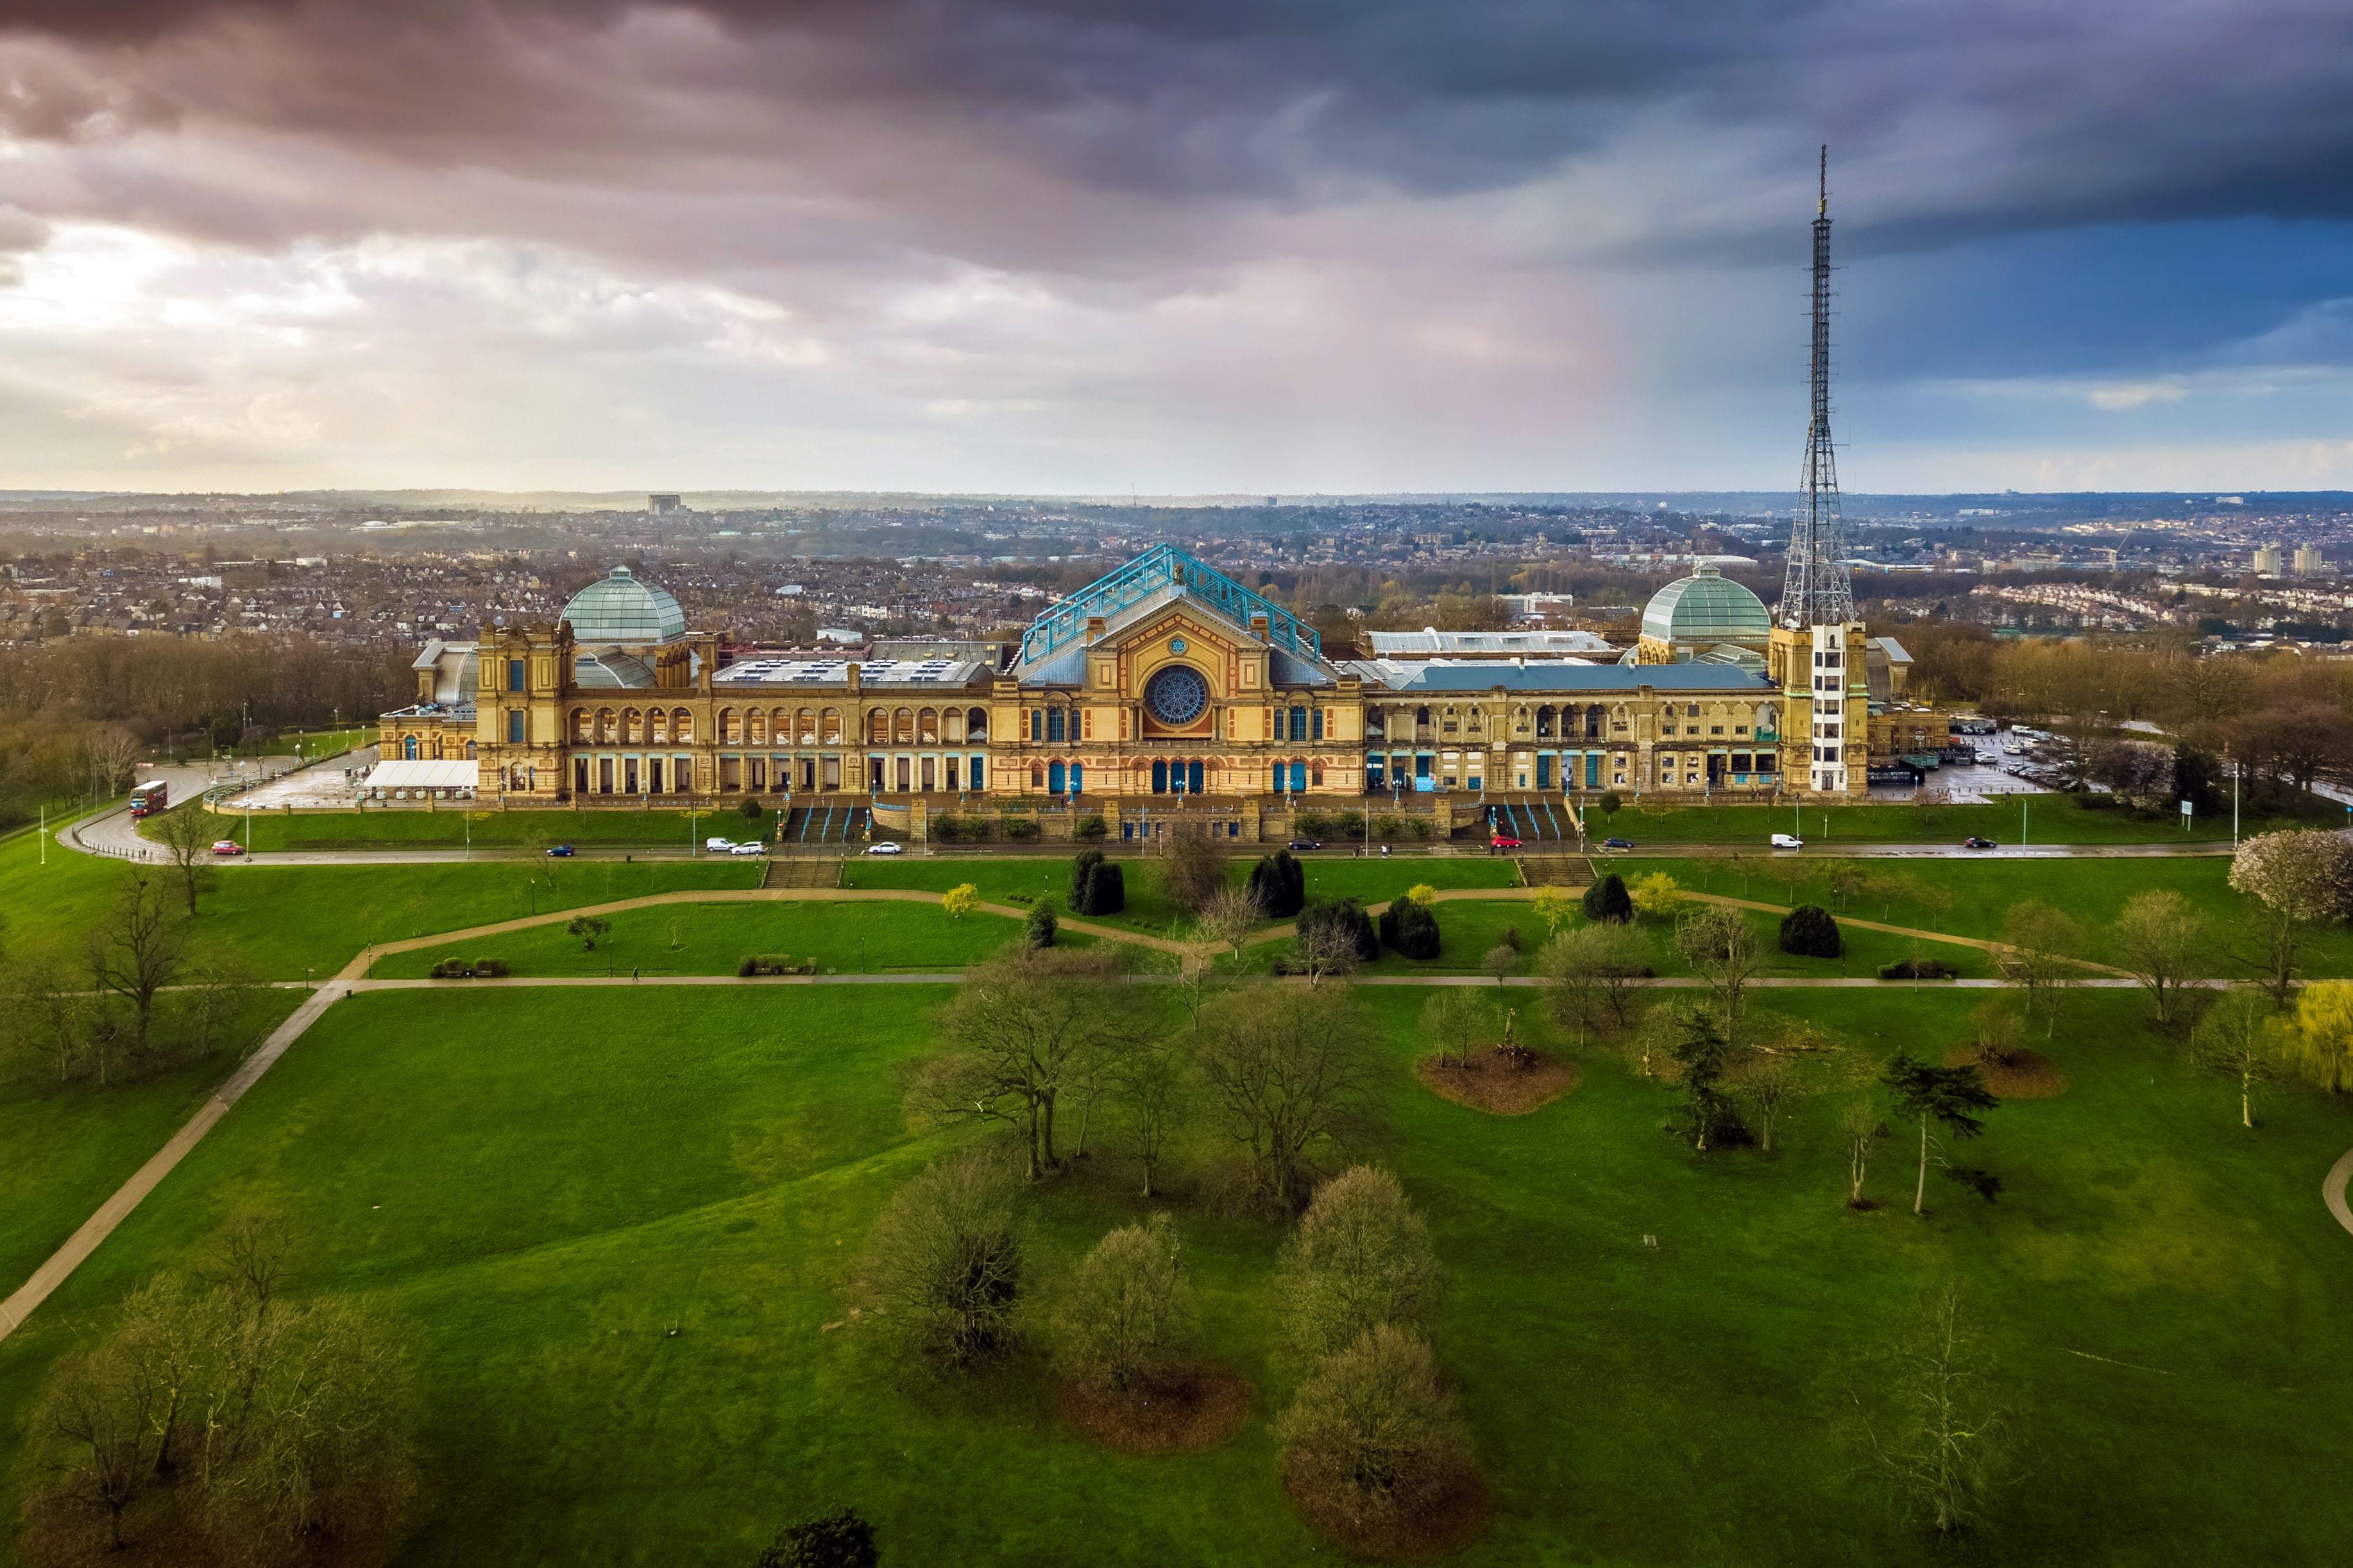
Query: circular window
{"points": [[1177, 694], [1175, 644]]}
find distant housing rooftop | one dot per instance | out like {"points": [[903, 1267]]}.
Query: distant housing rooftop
{"points": [[893, 672], [1431, 643]]}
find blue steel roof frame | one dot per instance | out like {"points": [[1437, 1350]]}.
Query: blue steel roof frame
{"points": [[1147, 574]]}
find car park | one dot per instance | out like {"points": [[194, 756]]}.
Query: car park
{"points": [[1617, 844], [560, 851], [1973, 842], [886, 847], [1788, 841], [225, 847]]}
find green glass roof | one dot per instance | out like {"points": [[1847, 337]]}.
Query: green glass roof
{"points": [[1705, 608], [620, 609]]}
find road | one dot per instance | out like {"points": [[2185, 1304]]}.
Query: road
{"points": [[114, 834]]}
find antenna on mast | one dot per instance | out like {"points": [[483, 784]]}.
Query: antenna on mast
{"points": [[1816, 590]]}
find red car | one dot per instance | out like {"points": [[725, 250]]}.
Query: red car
{"points": [[227, 846], [1499, 842]]}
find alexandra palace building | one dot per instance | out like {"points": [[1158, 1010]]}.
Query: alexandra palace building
{"points": [[1163, 678]]}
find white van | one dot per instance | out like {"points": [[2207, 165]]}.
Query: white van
{"points": [[1788, 841], [719, 846]]}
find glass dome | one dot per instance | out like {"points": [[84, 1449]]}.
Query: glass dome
{"points": [[1705, 608], [618, 609]]}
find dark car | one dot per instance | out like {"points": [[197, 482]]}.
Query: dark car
{"points": [[1305, 844], [561, 851], [1973, 842], [1617, 844]]}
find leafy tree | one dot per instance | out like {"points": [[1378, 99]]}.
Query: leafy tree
{"points": [[1594, 967], [1810, 932], [1422, 893], [1553, 907], [948, 1258], [1500, 960], [837, 1540], [1610, 806], [1289, 1073], [2161, 939], [1278, 885], [1025, 1029], [2300, 879], [1454, 1020], [1608, 900], [589, 928], [1098, 886], [1720, 944], [1949, 1096], [1129, 1315], [1410, 929], [1360, 1259], [2039, 945], [1943, 1443], [2324, 1034], [2241, 1035], [1707, 1111], [1657, 897], [1039, 931], [1372, 1434], [750, 810], [960, 901]]}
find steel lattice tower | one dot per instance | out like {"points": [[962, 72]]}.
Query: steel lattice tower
{"points": [[1817, 590]]}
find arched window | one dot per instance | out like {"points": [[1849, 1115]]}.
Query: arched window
{"points": [[831, 718], [581, 731], [1375, 724], [902, 724], [408, 747], [878, 725], [660, 727], [1036, 776], [927, 726], [1159, 775], [1193, 776], [606, 725], [681, 726], [952, 727], [975, 724], [1057, 725], [1315, 774], [633, 726], [728, 731], [1422, 718], [1543, 723], [470, 750], [1593, 719]]}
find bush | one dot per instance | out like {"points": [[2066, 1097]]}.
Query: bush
{"points": [[1608, 900], [1346, 915], [1129, 1316], [469, 969], [1090, 828], [1372, 1436], [750, 809], [837, 1540], [1098, 887], [1021, 829], [1278, 885], [1411, 929], [952, 829], [772, 963], [1397, 829], [1920, 968], [1809, 931], [1360, 1260], [946, 1257], [1039, 929]]}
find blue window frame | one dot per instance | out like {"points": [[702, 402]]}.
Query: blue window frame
{"points": [[1037, 724], [1193, 778], [1373, 771], [1319, 724], [514, 675], [1299, 724], [1159, 777], [1055, 722], [514, 726]]}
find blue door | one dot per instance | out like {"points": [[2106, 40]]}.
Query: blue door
{"points": [[1053, 778], [1373, 772], [1593, 770], [1193, 778], [1159, 777], [1544, 770], [1299, 778], [1421, 766], [1078, 778]]}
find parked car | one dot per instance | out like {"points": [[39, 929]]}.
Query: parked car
{"points": [[1306, 843], [749, 847], [1788, 841], [1617, 844], [1502, 842], [560, 851], [227, 846], [1973, 842], [886, 847], [719, 846]]}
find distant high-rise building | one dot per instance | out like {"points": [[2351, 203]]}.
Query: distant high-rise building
{"points": [[2267, 560], [662, 506], [2308, 563]]}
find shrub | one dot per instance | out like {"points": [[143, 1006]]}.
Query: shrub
{"points": [[1422, 893], [1394, 829], [1347, 916], [960, 901], [1082, 879], [1809, 931], [1608, 900], [1657, 895], [1039, 932], [1920, 968], [1512, 938], [490, 968], [1360, 1260], [1278, 885], [837, 1540], [1090, 828], [1021, 829], [750, 809], [772, 963], [946, 1257], [450, 969], [1372, 1436], [1129, 1315], [1410, 929]]}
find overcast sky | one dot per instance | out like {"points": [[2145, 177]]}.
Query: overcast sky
{"points": [[1181, 247]]}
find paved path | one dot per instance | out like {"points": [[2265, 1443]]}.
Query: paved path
{"points": [[2332, 1189]]}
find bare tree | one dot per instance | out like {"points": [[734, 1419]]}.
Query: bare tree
{"points": [[112, 757], [135, 953], [2161, 938], [1863, 1129], [1323, 949], [1226, 921], [1152, 1090], [1193, 871], [2037, 955], [1720, 944], [2241, 1035], [947, 1260], [1024, 1030], [1454, 1019], [1289, 1073], [250, 1257], [1942, 1442], [187, 839], [1593, 968], [54, 1011]]}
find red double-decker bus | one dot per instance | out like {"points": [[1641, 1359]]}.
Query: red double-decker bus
{"points": [[150, 798]]}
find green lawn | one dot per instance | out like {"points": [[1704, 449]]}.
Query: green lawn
{"points": [[2049, 819], [1328, 877], [283, 919], [451, 826], [311, 743], [1977, 895], [616, 1227], [713, 938]]}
